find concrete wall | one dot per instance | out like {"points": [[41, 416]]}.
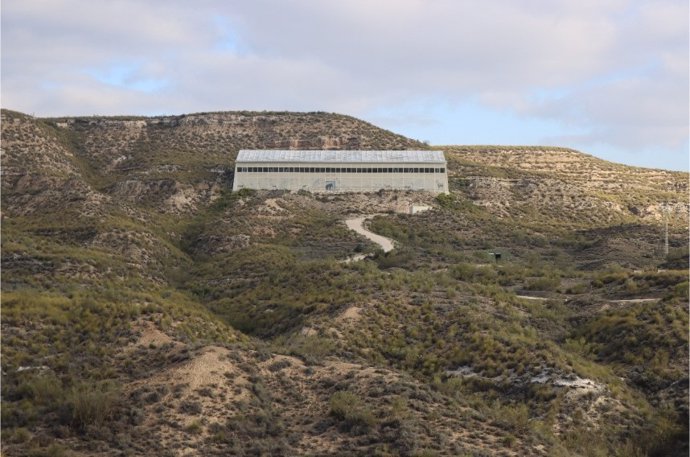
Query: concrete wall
{"points": [[336, 181]]}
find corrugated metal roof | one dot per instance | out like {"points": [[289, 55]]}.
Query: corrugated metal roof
{"points": [[340, 156]]}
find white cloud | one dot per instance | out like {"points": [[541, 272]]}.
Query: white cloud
{"points": [[617, 69]]}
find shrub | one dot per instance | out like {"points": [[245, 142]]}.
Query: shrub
{"points": [[310, 348], [445, 200], [681, 290], [399, 258], [19, 435], [246, 192], [348, 408], [279, 365], [91, 404], [511, 417], [577, 289], [54, 450], [194, 427], [399, 409], [190, 407], [43, 389], [544, 283]]}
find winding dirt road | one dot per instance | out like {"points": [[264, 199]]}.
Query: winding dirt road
{"points": [[357, 224]]}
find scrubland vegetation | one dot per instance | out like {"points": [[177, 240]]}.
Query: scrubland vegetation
{"points": [[147, 310]]}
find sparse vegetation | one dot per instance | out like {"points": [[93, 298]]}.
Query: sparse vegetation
{"points": [[147, 309]]}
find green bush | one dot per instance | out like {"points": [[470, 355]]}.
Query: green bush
{"points": [[512, 417], [54, 450], [349, 409], [398, 258], [44, 390], [310, 348], [681, 290], [194, 427], [91, 404], [18, 435], [545, 283], [246, 192], [445, 200], [474, 273]]}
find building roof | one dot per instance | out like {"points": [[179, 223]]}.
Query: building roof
{"points": [[340, 156]]}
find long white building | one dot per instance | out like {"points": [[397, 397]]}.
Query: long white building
{"points": [[341, 171]]}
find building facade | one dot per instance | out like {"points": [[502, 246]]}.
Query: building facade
{"points": [[341, 171]]}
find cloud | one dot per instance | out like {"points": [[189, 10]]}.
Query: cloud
{"points": [[607, 72]]}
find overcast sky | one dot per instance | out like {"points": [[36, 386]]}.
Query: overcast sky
{"points": [[607, 77]]}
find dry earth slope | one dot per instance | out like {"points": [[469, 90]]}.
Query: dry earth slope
{"points": [[147, 310]]}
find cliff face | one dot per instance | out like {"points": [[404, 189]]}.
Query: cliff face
{"points": [[148, 310]]}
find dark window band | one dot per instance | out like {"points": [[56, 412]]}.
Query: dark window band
{"points": [[337, 170]]}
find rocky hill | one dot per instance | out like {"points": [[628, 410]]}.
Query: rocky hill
{"points": [[172, 163], [565, 183], [148, 310]]}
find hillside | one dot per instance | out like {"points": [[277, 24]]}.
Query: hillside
{"points": [[148, 310]]}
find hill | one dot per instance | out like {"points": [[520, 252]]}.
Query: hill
{"points": [[146, 309]]}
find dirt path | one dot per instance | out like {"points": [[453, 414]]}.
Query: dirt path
{"points": [[617, 302], [634, 300], [356, 224], [529, 297]]}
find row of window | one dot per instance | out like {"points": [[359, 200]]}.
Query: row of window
{"points": [[336, 170]]}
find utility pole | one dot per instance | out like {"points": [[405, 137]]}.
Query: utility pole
{"points": [[666, 229]]}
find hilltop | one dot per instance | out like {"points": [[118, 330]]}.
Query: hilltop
{"points": [[146, 309]]}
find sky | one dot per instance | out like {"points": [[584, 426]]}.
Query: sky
{"points": [[606, 77]]}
